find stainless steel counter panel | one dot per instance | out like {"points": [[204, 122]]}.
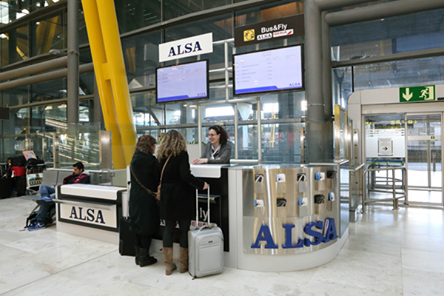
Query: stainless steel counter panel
{"points": [[275, 196]]}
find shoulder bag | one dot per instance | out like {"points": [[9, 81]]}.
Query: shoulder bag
{"points": [[160, 182]]}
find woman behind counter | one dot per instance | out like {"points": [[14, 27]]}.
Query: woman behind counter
{"points": [[177, 197], [218, 151], [143, 209]]}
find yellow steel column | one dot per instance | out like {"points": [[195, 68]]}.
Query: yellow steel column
{"points": [[119, 84], [99, 57]]}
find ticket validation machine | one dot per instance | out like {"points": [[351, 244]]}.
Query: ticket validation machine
{"points": [[284, 217]]}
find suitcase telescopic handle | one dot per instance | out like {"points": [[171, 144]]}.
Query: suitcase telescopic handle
{"points": [[197, 207]]}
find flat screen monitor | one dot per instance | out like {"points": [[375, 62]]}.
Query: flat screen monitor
{"points": [[268, 71], [188, 81]]}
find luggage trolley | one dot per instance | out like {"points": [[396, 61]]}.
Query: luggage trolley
{"points": [[34, 175]]}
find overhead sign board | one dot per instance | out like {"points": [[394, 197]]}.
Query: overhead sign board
{"points": [[186, 47], [417, 93], [289, 27]]}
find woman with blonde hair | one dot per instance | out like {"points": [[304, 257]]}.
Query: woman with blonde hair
{"points": [[143, 209], [177, 196]]}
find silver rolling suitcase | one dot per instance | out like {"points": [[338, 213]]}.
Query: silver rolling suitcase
{"points": [[205, 247]]}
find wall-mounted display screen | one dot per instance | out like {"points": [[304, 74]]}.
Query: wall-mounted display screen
{"points": [[269, 70], [187, 81]]}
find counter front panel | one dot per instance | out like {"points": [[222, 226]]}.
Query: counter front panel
{"points": [[289, 210]]}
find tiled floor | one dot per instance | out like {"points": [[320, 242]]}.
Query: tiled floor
{"points": [[387, 253]]}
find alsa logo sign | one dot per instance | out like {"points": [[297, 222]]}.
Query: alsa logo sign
{"points": [[90, 215], [320, 232], [187, 47]]}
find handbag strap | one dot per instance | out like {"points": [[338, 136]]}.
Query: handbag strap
{"points": [[138, 182], [161, 174]]}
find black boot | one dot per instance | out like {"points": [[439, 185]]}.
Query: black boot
{"points": [[145, 259], [137, 248]]}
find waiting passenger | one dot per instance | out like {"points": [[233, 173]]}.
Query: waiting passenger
{"points": [[47, 194], [143, 208], [177, 196], [218, 151]]}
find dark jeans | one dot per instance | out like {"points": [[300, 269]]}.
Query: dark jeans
{"points": [[168, 233], [143, 241], [47, 191]]}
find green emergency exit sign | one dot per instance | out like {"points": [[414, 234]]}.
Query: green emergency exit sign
{"points": [[417, 93]]}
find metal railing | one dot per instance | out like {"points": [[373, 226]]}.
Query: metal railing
{"points": [[393, 190]]}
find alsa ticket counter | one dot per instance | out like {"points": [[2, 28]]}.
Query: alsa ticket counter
{"points": [[91, 211], [284, 217]]}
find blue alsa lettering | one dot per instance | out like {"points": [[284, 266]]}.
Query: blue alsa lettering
{"points": [[90, 215], [313, 229], [188, 48]]}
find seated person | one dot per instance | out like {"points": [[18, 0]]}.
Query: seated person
{"points": [[48, 194], [218, 151]]}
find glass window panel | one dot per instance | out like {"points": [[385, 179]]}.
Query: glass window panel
{"points": [[81, 143], [281, 143], [133, 15], [341, 86], [15, 96], [283, 105], [179, 113], [15, 45], [247, 141], [145, 111], [83, 33], [86, 111], [49, 90], [176, 8], [48, 34], [401, 73], [49, 118], [85, 56], [220, 26], [10, 11], [436, 174], [405, 33], [217, 113], [417, 167], [19, 121], [86, 84], [424, 125], [141, 55]]}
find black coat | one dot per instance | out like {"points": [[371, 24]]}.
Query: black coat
{"points": [[143, 208], [178, 193]]}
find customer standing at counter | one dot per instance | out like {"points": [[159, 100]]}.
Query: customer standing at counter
{"points": [[218, 151], [143, 209], [177, 196]]}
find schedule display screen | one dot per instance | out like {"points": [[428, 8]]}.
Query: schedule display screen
{"points": [[267, 71], [182, 82]]}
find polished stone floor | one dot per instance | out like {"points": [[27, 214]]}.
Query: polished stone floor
{"points": [[387, 253]]}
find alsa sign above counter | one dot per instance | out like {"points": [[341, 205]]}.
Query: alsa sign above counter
{"points": [[186, 47], [288, 27]]}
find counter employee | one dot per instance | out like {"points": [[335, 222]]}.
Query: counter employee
{"points": [[218, 151]]}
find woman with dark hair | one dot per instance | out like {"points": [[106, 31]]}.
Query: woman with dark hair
{"points": [[177, 196], [143, 209], [218, 150]]}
